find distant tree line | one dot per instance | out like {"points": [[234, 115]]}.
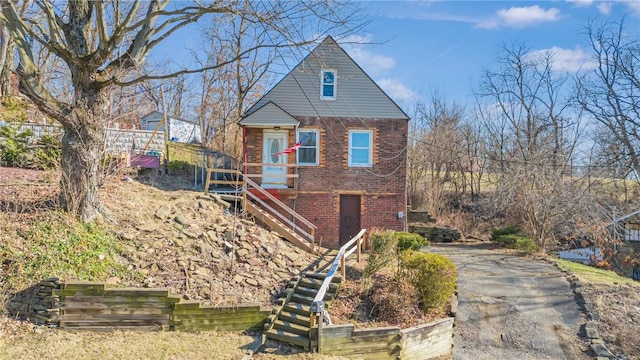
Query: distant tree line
{"points": [[544, 150]]}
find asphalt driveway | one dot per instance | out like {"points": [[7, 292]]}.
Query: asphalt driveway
{"points": [[512, 307]]}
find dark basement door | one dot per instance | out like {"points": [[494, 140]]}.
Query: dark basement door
{"points": [[349, 217]]}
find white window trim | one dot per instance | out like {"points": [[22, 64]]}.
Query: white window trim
{"points": [[349, 150], [322, 84], [317, 162]]}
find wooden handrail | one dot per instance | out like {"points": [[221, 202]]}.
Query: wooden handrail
{"points": [[318, 302], [254, 185], [279, 215]]}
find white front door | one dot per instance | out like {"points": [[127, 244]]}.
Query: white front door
{"points": [[272, 175]]}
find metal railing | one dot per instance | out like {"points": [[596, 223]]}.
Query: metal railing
{"points": [[317, 306]]}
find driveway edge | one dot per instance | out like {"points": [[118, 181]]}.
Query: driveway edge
{"points": [[596, 343]]}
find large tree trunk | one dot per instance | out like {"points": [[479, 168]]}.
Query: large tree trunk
{"points": [[82, 148], [6, 61]]}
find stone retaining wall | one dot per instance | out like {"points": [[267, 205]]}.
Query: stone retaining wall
{"points": [[118, 140]]}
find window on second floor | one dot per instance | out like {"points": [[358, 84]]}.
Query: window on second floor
{"points": [[328, 85], [360, 151], [308, 151]]}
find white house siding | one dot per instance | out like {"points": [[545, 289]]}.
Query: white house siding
{"points": [[269, 115], [357, 95], [180, 130]]}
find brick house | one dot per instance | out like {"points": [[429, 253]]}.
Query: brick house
{"points": [[349, 169]]}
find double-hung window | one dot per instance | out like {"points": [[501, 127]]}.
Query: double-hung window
{"points": [[328, 84], [309, 150], [360, 152]]}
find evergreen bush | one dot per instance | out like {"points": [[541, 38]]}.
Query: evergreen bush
{"points": [[434, 277]]}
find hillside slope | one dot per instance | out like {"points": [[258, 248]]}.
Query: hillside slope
{"points": [[165, 235]]}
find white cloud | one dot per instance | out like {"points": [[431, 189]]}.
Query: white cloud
{"points": [[634, 7], [581, 3], [568, 60], [373, 64], [397, 90], [605, 8], [524, 16]]}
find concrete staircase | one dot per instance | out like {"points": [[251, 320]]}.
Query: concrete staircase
{"points": [[290, 322]]}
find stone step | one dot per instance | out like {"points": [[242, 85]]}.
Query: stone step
{"points": [[290, 338], [290, 327]]}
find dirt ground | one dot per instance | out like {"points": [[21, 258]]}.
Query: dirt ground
{"points": [[135, 201]]}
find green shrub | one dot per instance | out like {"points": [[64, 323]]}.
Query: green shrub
{"points": [[383, 251], [509, 230], [14, 146], [410, 241], [513, 238], [48, 153], [63, 247], [179, 167], [433, 276]]}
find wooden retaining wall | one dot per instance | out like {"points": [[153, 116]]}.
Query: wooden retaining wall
{"points": [[426, 341], [345, 340], [192, 316], [92, 306]]}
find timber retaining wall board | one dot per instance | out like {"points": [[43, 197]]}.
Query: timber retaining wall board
{"points": [[92, 306], [192, 316], [344, 340], [427, 341]]}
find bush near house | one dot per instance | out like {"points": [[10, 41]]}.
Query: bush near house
{"points": [[429, 279], [433, 276], [513, 238], [17, 149], [410, 241]]}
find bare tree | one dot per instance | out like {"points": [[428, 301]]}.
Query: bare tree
{"points": [[435, 151], [101, 44], [610, 93], [530, 140]]}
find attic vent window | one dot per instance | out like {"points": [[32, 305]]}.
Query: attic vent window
{"points": [[328, 85]]}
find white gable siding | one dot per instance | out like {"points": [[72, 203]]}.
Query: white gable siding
{"points": [[357, 95], [269, 115]]}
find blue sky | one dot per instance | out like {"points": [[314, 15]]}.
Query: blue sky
{"points": [[418, 47]]}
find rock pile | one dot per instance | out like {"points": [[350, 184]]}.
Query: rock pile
{"points": [[36, 304], [192, 244]]}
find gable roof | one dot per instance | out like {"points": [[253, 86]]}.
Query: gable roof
{"points": [[357, 95], [269, 115]]}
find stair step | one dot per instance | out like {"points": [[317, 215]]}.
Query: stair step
{"points": [[312, 283], [301, 309], [284, 336], [302, 299], [291, 327], [321, 276], [312, 293], [295, 318]]}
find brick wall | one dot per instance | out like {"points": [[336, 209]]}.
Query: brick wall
{"points": [[382, 187], [323, 209], [388, 173]]}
